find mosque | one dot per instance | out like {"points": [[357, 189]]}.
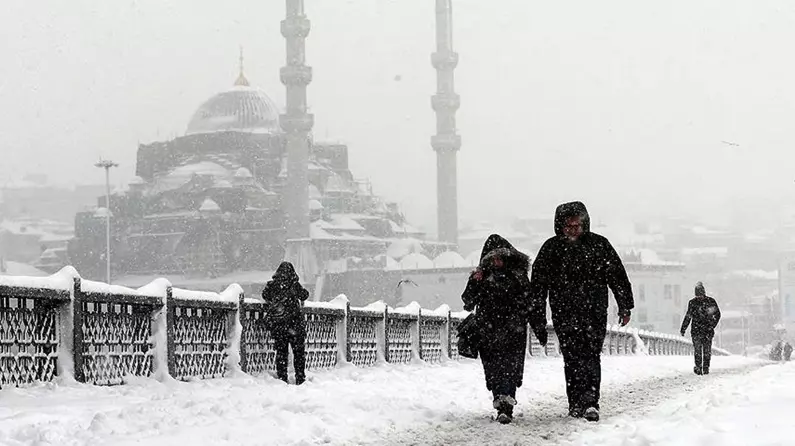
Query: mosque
{"points": [[247, 186]]}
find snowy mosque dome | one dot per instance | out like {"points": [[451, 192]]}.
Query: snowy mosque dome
{"points": [[450, 259], [416, 261], [242, 109]]}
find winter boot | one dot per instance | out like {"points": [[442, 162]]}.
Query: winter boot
{"points": [[504, 405], [697, 370], [591, 414]]}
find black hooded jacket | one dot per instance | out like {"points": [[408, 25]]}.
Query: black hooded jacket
{"points": [[576, 275], [500, 288], [283, 296]]}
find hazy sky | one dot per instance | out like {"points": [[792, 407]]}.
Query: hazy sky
{"points": [[621, 103]]}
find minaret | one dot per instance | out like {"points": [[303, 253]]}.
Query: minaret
{"points": [[241, 78], [296, 122], [446, 142]]}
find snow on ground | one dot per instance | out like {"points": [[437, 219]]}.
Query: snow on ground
{"points": [[387, 404], [754, 408]]}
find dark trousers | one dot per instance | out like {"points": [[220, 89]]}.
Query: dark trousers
{"points": [[503, 368], [582, 366], [295, 337], [702, 350]]}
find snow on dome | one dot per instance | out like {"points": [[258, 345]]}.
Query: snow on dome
{"points": [[243, 173], [403, 247], [209, 206], [449, 259], [315, 205], [416, 261], [473, 259], [241, 109], [102, 213]]}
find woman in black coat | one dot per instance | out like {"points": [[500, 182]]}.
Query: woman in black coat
{"points": [[499, 293]]}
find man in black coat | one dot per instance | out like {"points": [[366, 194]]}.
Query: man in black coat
{"points": [[499, 293], [574, 269], [703, 311], [284, 297]]}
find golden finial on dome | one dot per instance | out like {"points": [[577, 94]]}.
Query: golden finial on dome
{"points": [[241, 78]]}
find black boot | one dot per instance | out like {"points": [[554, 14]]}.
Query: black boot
{"points": [[591, 414]]}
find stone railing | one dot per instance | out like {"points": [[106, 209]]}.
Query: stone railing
{"points": [[67, 327]]}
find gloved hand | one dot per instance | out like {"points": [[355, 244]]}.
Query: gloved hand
{"points": [[681, 333], [624, 317]]}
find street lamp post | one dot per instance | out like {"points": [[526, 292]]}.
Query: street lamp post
{"points": [[107, 164]]}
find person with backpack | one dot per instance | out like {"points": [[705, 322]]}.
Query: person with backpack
{"points": [[499, 293], [703, 311], [284, 297]]}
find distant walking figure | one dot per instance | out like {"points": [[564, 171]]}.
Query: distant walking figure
{"points": [[704, 313], [284, 297], [499, 293], [574, 269]]}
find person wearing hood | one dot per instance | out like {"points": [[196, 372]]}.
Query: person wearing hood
{"points": [[284, 296], [498, 290], [574, 269], [703, 311]]}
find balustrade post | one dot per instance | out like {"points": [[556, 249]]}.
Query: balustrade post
{"points": [[552, 338], [416, 336], [347, 331], [448, 336], [65, 328], [385, 334], [171, 316], [233, 318], [241, 317], [78, 319]]}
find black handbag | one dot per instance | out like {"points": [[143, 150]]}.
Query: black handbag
{"points": [[469, 337]]}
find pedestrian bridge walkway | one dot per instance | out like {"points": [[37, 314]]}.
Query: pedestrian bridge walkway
{"points": [[446, 403]]}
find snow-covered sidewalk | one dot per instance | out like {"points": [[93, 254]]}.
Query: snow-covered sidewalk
{"points": [[389, 404], [749, 409]]}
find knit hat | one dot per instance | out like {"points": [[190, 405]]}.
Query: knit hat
{"points": [[700, 292]]}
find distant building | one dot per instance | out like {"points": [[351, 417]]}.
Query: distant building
{"points": [[661, 290]]}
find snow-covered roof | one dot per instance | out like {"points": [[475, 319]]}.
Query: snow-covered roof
{"points": [[756, 274], [719, 251], [650, 257], [402, 247], [209, 205], [449, 259], [416, 261], [11, 268]]}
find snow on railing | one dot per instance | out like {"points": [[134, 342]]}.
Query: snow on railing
{"points": [[66, 327]]}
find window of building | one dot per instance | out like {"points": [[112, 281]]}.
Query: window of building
{"points": [[667, 292], [675, 321], [678, 295], [642, 292], [642, 316]]}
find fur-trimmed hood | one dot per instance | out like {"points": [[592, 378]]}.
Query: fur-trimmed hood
{"points": [[497, 247]]}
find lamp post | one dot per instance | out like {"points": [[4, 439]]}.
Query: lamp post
{"points": [[107, 164]]}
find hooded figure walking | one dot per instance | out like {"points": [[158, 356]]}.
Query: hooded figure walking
{"points": [[284, 297], [574, 269], [499, 293], [703, 311]]}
